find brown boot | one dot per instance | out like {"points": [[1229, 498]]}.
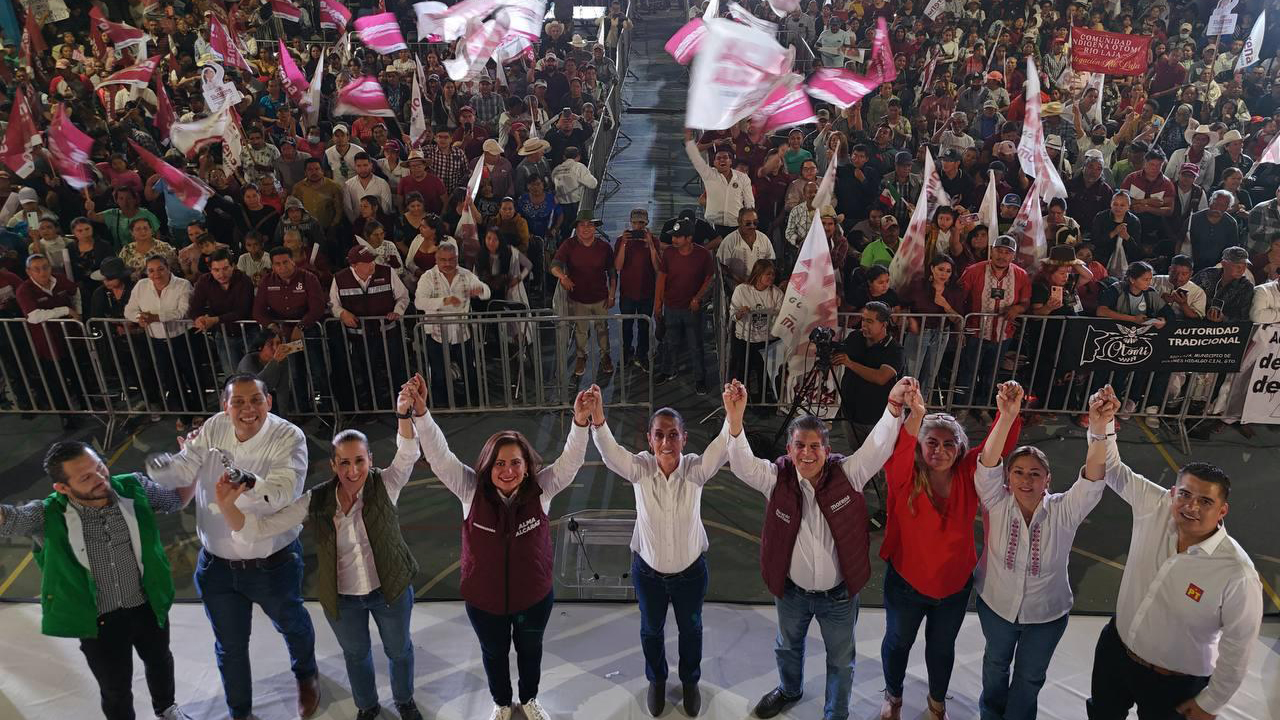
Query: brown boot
{"points": [[606, 364], [937, 710], [892, 707], [580, 366], [308, 696]]}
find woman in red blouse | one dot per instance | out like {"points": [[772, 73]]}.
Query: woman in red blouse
{"points": [[929, 544]]}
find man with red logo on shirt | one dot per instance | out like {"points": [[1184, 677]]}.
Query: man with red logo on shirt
{"points": [[291, 302]]}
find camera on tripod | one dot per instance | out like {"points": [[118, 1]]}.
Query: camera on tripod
{"points": [[823, 340]]}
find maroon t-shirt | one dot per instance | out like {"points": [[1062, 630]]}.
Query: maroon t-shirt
{"points": [[430, 187], [685, 274], [588, 268], [638, 278]]}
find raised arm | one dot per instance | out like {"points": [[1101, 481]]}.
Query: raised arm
{"points": [[557, 476], [755, 472], [619, 460], [695, 155], [1009, 404], [1102, 410], [453, 474], [866, 461], [396, 475]]}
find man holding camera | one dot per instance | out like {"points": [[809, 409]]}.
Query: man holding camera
{"points": [[872, 360], [636, 262], [245, 440]]}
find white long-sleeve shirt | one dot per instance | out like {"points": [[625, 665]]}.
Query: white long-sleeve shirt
{"points": [[814, 564], [398, 291], [725, 196], [353, 190], [277, 454], [434, 287], [357, 573], [1196, 612], [571, 179], [170, 304], [668, 535], [1022, 573], [1266, 303], [461, 479]]}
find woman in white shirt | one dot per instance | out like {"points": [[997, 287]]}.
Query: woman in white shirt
{"points": [[832, 42], [754, 305], [669, 543], [1024, 592]]}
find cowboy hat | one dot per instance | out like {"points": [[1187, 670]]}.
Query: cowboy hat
{"points": [[578, 42], [1200, 129], [1051, 109], [533, 145], [1229, 137]]}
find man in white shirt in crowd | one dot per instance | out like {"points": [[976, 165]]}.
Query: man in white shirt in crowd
{"points": [[727, 190], [815, 543], [447, 289], [1190, 603], [668, 565], [1187, 300], [341, 155], [365, 183], [233, 576], [159, 303], [741, 249]]}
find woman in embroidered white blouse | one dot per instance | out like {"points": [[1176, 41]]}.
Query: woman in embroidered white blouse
{"points": [[1024, 593]]}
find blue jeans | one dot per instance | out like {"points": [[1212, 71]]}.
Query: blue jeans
{"points": [[497, 633], [684, 591], [352, 630], [637, 328], [983, 358], [229, 595], [924, 353], [684, 328], [1031, 645], [904, 610], [837, 613]]}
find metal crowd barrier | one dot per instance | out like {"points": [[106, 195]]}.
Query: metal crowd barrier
{"points": [[608, 130], [49, 368]]}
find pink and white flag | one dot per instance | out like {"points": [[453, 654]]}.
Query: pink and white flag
{"points": [[69, 150], [334, 15], [381, 32], [165, 115], [474, 51], [418, 126], [120, 34], [430, 20], [286, 10], [783, 8], [311, 101], [1270, 155], [744, 16], [191, 136], [137, 75], [1032, 155], [785, 106], [192, 192], [810, 300], [525, 18], [455, 20], [839, 86], [881, 66], [224, 45], [292, 79], [930, 65], [684, 44], [735, 69], [1252, 50], [908, 262], [362, 96], [15, 151], [1028, 229]]}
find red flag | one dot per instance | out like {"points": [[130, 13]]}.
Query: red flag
{"points": [[137, 75], [22, 128], [295, 85], [224, 45], [362, 96], [32, 41], [381, 32], [334, 15], [69, 149], [165, 116], [120, 35], [286, 10], [189, 190]]}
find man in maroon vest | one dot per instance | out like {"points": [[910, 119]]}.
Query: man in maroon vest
{"points": [[369, 299], [47, 301], [813, 552]]}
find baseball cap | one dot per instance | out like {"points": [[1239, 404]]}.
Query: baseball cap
{"points": [[902, 158], [1005, 147], [991, 104], [1189, 168], [1005, 241], [682, 228], [951, 155], [640, 214], [341, 127], [1012, 199], [360, 254], [1235, 254], [888, 220], [26, 195], [997, 166], [113, 268]]}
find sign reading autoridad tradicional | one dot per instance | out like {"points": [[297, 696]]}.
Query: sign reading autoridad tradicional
{"points": [[1108, 53], [1183, 346]]}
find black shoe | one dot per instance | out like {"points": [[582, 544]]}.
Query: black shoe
{"points": [[692, 699], [700, 388], [773, 703], [662, 377], [369, 713], [657, 698], [408, 711]]}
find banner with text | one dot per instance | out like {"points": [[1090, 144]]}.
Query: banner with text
{"points": [[1108, 53], [1262, 403], [1096, 344]]}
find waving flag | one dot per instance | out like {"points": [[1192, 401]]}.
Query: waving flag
{"points": [[120, 35], [362, 96], [165, 116], [69, 150], [744, 16], [14, 151], [474, 51], [190, 136], [417, 117], [881, 67], [187, 189], [285, 10], [430, 22], [787, 105], [224, 45], [810, 300], [1028, 228], [311, 101], [525, 18], [452, 22], [138, 75], [1032, 155], [908, 261], [736, 68], [989, 211], [381, 32], [783, 8], [839, 86], [684, 44], [1252, 49], [294, 82], [334, 15]]}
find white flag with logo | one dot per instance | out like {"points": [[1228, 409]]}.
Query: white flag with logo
{"points": [[1032, 154], [989, 211], [736, 68], [908, 261], [1249, 54], [418, 118]]}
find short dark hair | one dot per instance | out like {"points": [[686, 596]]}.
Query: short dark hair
{"points": [[1182, 261], [310, 160], [668, 412], [362, 155], [1207, 472], [1137, 269], [881, 310], [60, 453], [240, 377], [219, 255], [137, 220], [279, 250], [809, 422]]}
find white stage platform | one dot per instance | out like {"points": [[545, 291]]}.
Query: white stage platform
{"points": [[593, 668]]}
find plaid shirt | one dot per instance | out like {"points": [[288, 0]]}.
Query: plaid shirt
{"points": [[448, 165], [1235, 298], [107, 542], [487, 109], [1264, 226]]}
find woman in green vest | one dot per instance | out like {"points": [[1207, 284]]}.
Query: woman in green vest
{"points": [[105, 577], [364, 566]]}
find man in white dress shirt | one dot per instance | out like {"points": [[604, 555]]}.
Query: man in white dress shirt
{"points": [[815, 543], [669, 565], [232, 575], [727, 190], [447, 289], [1190, 603]]}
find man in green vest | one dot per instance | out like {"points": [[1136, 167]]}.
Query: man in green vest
{"points": [[363, 565], [106, 579]]}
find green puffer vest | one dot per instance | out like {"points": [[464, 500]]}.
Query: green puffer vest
{"points": [[68, 594], [396, 566]]}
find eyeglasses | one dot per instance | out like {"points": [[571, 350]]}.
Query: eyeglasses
{"points": [[748, 224]]}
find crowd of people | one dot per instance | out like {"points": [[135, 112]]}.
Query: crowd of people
{"points": [[1187, 616]]}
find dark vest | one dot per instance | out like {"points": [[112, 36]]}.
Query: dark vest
{"points": [[506, 551], [844, 509], [373, 301], [396, 566]]}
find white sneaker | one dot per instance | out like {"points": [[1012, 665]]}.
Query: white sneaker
{"points": [[1152, 421], [175, 712], [500, 712], [533, 711], [1127, 409]]}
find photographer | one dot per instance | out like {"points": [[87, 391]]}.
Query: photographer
{"points": [[872, 360]]}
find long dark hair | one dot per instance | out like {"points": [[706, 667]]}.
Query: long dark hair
{"points": [[485, 259], [489, 457]]}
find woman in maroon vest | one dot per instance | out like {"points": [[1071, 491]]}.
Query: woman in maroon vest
{"points": [[506, 542], [929, 545]]}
